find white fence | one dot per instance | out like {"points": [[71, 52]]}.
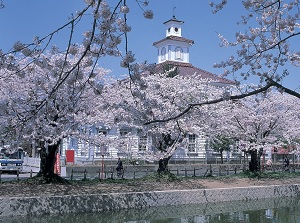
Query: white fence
{"points": [[31, 164]]}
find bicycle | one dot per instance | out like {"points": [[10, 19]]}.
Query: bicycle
{"points": [[120, 172]]}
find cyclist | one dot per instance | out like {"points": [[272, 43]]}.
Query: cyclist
{"points": [[119, 167]]}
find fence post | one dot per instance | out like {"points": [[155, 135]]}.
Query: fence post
{"points": [[0, 174], [134, 174], [219, 170], [177, 172], [235, 170], [185, 174], [18, 173], [227, 170], [112, 173], [194, 172], [99, 174], [84, 174], [72, 172], [31, 173]]}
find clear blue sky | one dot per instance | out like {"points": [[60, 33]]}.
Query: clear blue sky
{"points": [[24, 19]]}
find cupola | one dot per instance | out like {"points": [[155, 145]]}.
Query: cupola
{"points": [[173, 47], [173, 27]]}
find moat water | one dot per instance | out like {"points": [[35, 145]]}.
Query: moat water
{"points": [[283, 210]]}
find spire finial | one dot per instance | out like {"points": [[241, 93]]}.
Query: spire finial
{"points": [[174, 12]]}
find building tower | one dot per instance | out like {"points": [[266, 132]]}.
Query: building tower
{"points": [[173, 47]]}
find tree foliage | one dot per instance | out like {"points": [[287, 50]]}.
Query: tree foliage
{"points": [[32, 111], [269, 43], [221, 143]]}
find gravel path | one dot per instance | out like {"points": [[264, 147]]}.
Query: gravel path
{"points": [[17, 189]]}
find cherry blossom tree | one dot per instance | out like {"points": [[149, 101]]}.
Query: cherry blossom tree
{"points": [[39, 109], [259, 121], [156, 96]]}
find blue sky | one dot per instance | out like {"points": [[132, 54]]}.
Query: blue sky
{"points": [[24, 19]]}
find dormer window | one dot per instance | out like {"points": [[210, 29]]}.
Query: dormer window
{"points": [[178, 53]]}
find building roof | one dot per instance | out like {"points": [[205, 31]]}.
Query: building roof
{"points": [[175, 38], [173, 19], [187, 69]]}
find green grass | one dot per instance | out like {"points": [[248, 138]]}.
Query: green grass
{"points": [[163, 177], [168, 177]]}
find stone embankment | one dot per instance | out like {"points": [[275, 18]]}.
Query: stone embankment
{"points": [[36, 205]]}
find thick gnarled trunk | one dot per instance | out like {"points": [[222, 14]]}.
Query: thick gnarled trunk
{"points": [[254, 161], [48, 159], [163, 165]]}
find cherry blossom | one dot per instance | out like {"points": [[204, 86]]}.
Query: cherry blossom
{"points": [[261, 120], [156, 96], [46, 100], [269, 42]]}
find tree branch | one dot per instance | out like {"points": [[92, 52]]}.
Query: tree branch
{"points": [[269, 84]]}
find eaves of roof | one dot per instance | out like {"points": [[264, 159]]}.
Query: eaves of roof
{"points": [[173, 20], [175, 38]]}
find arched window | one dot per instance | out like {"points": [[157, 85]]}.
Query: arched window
{"points": [[192, 143], [178, 53], [163, 53]]}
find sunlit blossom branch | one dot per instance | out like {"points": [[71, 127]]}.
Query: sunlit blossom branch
{"points": [[270, 83]]}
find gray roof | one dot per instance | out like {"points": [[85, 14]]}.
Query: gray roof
{"points": [[187, 69], [173, 19], [175, 38]]}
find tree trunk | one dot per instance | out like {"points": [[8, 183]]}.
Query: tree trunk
{"points": [[221, 153], [253, 164], [48, 158], [163, 165]]}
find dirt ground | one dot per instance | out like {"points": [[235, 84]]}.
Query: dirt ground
{"points": [[23, 189]]}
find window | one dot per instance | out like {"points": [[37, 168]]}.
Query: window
{"points": [[178, 53], [102, 132], [192, 143], [143, 143], [124, 131], [163, 53]]}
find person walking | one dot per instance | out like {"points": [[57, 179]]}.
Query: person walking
{"points": [[119, 167]]}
